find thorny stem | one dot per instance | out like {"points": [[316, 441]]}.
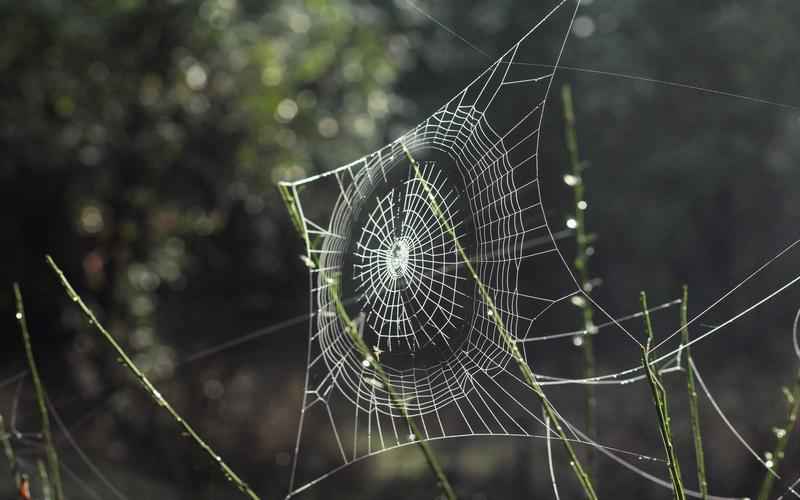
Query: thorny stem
{"points": [[508, 339], [782, 435], [148, 386], [50, 449], [581, 260], [5, 438], [354, 333], [693, 408], [660, 400]]}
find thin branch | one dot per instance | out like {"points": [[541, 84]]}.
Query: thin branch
{"points": [[699, 455], [550, 458], [47, 489], [782, 434], [353, 331], [509, 341], [149, 387], [582, 239], [50, 449], [11, 456], [660, 400]]}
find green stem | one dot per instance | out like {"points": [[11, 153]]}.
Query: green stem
{"points": [[508, 339], [47, 489], [782, 435], [699, 455], [660, 400], [148, 386], [52, 454], [5, 438], [290, 200], [353, 332], [581, 259]]}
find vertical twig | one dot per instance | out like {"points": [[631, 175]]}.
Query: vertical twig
{"points": [[660, 400], [5, 438], [290, 201], [508, 340], [52, 454], [47, 489], [699, 455], [149, 387], [353, 331], [553, 481], [782, 438], [582, 239]]}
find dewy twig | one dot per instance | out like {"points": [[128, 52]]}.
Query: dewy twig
{"points": [[11, 456], [660, 400], [782, 435], [508, 340], [353, 331], [50, 449], [693, 408], [148, 386], [582, 240], [47, 488]]}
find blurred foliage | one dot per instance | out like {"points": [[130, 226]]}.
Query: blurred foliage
{"points": [[143, 144], [158, 128]]}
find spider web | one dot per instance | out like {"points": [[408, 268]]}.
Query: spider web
{"points": [[371, 228]]}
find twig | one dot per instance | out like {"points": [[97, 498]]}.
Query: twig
{"points": [[50, 449], [508, 340], [47, 489], [5, 438], [354, 333], [699, 455], [148, 386], [290, 200], [782, 435], [660, 400], [351, 328], [581, 259], [550, 458]]}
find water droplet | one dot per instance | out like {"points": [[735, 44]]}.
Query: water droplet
{"points": [[582, 205], [412, 437], [779, 433], [571, 180], [578, 301], [577, 340], [572, 223], [19, 315], [365, 363]]}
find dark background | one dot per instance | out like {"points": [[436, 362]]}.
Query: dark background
{"points": [[141, 142]]}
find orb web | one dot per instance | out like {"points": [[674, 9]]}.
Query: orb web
{"points": [[401, 276], [373, 238]]}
